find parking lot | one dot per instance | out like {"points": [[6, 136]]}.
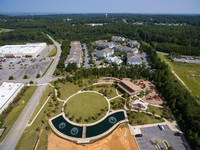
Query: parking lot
{"points": [[150, 134], [19, 67]]}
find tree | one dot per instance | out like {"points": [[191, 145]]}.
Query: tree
{"points": [[25, 77], [10, 78]]}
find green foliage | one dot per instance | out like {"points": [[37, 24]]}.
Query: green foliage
{"points": [[183, 105], [10, 78]]}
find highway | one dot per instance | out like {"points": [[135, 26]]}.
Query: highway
{"points": [[13, 136]]}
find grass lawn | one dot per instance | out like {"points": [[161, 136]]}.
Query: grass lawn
{"points": [[117, 103], [189, 73], [107, 89], [39, 127], [158, 111], [15, 112], [42, 101], [86, 107], [141, 119], [52, 52], [67, 90]]}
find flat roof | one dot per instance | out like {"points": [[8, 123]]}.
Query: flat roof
{"points": [[75, 53], [28, 48], [7, 89], [131, 85]]}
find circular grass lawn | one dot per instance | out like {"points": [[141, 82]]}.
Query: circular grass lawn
{"points": [[86, 107]]}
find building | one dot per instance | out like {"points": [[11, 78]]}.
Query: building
{"points": [[104, 44], [8, 91], [118, 39], [129, 87], [75, 55], [114, 60], [133, 43], [31, 50], [133, 59], [105, 53], [125, 49]]}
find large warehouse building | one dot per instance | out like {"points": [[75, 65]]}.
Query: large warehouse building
{"points": [[32, 49], [8, 91]]}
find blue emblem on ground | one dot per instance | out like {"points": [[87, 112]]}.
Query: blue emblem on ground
{"points": [[62, 125], [112, 120], [74, 131]]}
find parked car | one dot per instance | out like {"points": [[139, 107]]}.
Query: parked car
{"points": [[178, 134], [161, 127]]}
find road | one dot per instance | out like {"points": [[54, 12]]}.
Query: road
{"points": [[19, 126]]}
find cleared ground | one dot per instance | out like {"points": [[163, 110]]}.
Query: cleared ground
{"points": [[119, 139], [189, 73], [86, 107]]}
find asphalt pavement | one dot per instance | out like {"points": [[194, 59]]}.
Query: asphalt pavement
{"points": [[19, 126]]}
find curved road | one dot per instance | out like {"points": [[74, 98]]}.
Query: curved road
{"points": [[13, 136]]}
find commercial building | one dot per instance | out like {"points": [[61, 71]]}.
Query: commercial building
{"points": [[31, 49], [104, 44], [75, 55], [134, 59], [8, 92], [118, 39], [129, 87], [105, 53], [133, 43]]}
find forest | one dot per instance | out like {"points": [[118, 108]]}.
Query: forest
{"points": [[180, 39]]}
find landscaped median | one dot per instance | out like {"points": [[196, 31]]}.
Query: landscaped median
{"points": [[10, 118]]}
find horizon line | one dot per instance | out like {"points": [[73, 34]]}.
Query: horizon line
{"points": [[79, 13]]}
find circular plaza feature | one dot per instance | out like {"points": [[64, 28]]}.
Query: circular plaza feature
{"points": [[86, 107]]}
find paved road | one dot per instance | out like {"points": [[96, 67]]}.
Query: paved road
{"points": [[19, 126]]}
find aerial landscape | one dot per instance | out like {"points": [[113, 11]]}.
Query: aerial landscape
{"points": [[104, 75]]}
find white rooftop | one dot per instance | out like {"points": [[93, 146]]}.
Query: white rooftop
{"points": [[7, 89], [28, 48]]}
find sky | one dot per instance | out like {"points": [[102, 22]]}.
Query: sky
{"points": [[101, 6]]}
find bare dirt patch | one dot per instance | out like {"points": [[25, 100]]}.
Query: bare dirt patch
{"points": [[119, 139]]}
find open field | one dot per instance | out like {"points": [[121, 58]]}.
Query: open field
{"points": [[52, 52], [67, 90], [189, 73], [86, 107], [142, 118], [13, 115], [119, 139], [156, 110], [40, 128], [107, 89]]}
